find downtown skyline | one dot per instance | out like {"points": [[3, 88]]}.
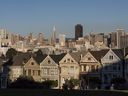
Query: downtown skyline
{"points": [[25, 16]]}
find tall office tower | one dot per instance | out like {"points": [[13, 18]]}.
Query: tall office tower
{"points": [[78, 31], [113, 39], [120, 32], [62, 40]]}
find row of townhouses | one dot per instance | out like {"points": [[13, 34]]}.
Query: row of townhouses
{"points": [[103, 64]]}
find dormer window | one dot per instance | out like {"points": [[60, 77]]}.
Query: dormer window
{"points": [[111, 57]]}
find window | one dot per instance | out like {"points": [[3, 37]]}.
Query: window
{"points": [[32, 63], [114, 67], [87, 68], [72, 67], [111, 57], [97, 68], [56, 71], [33, 72], [45, 71], [68, 60], [106, 67], [38, 72], [65, 61], [49, 61], [89, 58], [119, 68], [24, 72], [72, 61], [29, 72], [93, 68]]}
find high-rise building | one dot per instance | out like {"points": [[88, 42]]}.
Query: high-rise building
{"points": [[113, 39], [120, 33], [78, 31]]}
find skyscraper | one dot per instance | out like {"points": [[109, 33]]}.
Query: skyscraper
{"points": [[78, 31], [120, 32], [53, 37]]}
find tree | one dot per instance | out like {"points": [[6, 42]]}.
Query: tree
{"points": [[119, 83], [48, 84], [10, 53], [70, 84], [24, 82]]}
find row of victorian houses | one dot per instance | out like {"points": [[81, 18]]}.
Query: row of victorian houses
{"points": [[103, 64]]}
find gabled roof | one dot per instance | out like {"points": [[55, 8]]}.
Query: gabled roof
{"points": [[76, 56], [19, 59], [99, 54], [57, 58], [39, 58], [119, 53]]}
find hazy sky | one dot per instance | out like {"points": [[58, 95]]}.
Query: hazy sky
{"points": [[24, 16]]}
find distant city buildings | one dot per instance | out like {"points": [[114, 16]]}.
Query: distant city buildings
{"points": [[60, 43]]}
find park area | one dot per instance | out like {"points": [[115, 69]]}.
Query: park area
{"points": [[55, 92]]}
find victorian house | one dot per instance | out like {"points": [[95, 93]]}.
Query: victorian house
{"points": [[112, 66], [31, 68], [69, 67], [16, 68], [90, 67], [50, 68]]}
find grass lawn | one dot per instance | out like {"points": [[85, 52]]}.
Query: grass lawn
{"points": [[42, 92]]}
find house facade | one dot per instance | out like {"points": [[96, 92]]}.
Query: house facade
{"points": [[112, 66], [32, 69], [16, 68], [69, 68], [90, 68], [50, 68]]}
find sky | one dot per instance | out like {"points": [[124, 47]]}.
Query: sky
{"points": [[25, 16]]}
